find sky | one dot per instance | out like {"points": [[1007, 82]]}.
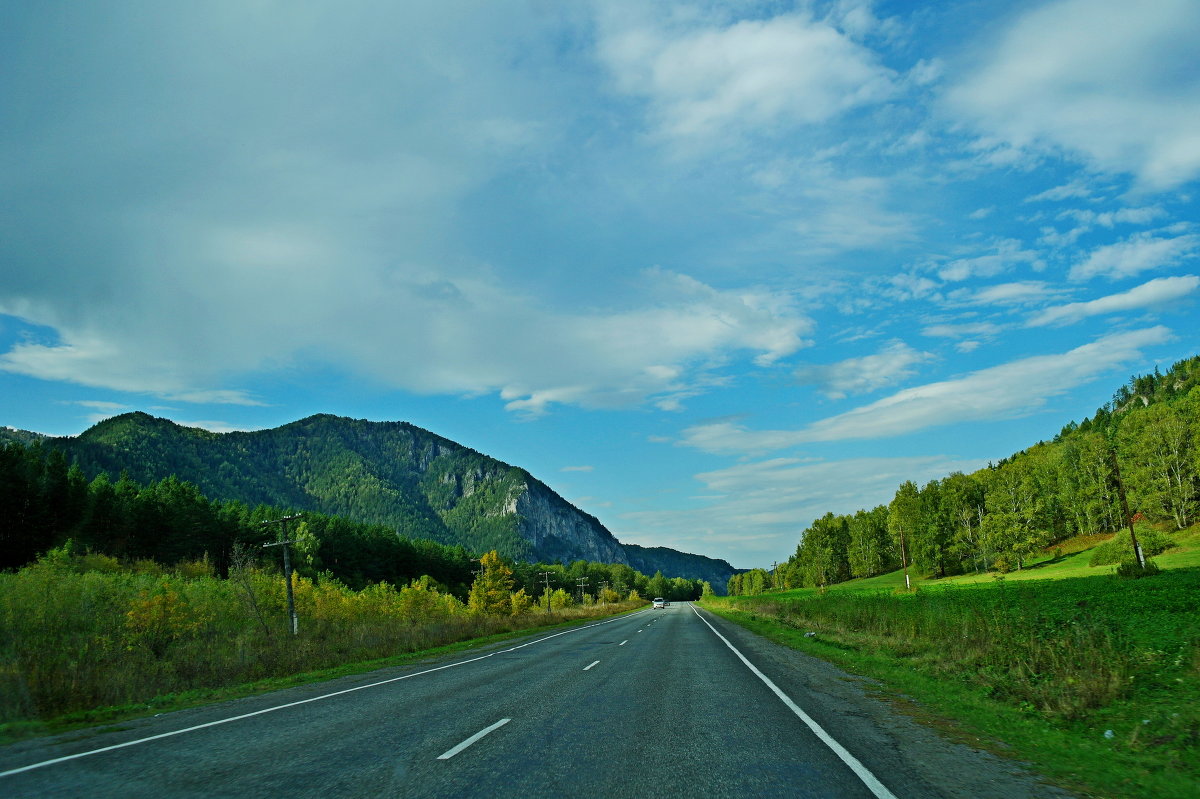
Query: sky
{"points": [[708, 269]]}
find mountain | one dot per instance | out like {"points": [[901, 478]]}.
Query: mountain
{"points": [[392, 473]]}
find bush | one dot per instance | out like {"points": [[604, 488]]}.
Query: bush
{"points": [[1120, 547], [1131, 568]]}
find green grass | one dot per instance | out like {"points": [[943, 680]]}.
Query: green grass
{"points": [[1156, 759], [1092, 678]]}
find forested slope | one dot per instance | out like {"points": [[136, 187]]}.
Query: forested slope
{"points": [[1146, 441]]}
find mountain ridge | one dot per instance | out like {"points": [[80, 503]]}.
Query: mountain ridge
{"points": [[421, 484]]}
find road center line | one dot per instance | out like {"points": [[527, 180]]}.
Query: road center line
{"points": [[449, 753], [862, 772], [623, 642], [593, 663], [300, 702]]}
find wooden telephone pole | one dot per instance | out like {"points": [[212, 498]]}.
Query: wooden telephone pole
{"points": [[546, 581], [287, 565]]}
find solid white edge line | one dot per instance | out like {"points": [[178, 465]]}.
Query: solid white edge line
{"points": [[862, 772], [588, 666], [449, 753], [78, 755]]}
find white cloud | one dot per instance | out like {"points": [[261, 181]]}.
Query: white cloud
{"points": [[1137, 254], [1157, 292], [1087, 219], [474, 335], [101, 405], [999, 392], [1076, 189], [1104, 79], [961, 330], [1006, 255], [889, 366], [1019, 293], [705, 78], [1109, 219], [850, 214], [754, 513]]}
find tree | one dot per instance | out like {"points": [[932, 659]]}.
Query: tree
{"points": [[492, 590], [931, 538], [1155, 450], [904, 517], [869, 550], [1085, 486], [822, 551], [1016, 524], [962, 504]]}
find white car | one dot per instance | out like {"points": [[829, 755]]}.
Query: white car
{"points": [[659, 602]]}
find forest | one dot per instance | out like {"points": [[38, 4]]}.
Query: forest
{"points": [[1143, 444], [48, 502]]}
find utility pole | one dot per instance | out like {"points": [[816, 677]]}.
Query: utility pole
{"points": [[1116, 470], [774, 574], [579, 584], [546, 581], [287, 564]]}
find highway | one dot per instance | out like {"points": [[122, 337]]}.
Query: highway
{"points": [[670, 702]]}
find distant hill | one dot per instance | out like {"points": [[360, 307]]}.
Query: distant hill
{"points": [[20, 436], [391, 473]]}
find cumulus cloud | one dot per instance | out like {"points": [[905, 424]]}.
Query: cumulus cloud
{"points": [[1010, 390], [1157, 292], [891, 365], [703, 78], [319, 223], [1137, 254], [1098, 78]]}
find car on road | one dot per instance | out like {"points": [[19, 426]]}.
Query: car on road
{"points": [[659, 602]]}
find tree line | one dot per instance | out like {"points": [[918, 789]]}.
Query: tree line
{"points": [[1146, 442], [47, 500]]}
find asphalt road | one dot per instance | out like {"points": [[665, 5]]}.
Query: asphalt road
{"points": [[672, 702]]}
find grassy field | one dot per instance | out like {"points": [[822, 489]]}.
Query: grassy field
{"points": [[1093, 678]]}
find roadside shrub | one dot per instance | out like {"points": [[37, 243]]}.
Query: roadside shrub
{"points": [[79, 632]]}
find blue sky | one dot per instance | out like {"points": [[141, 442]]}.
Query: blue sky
{"points": [[708, 269]]}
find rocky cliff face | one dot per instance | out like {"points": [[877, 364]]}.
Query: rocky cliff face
{"points": [[558, 530]]}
